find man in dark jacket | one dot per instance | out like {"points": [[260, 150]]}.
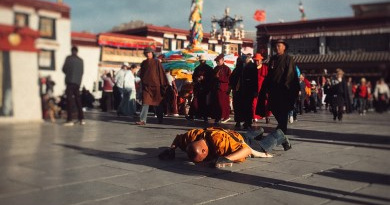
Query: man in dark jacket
{"points": [[201, 78], [281, 84], [73, 69], [244, 84]]}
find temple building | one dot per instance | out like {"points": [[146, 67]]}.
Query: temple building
{"points": [[174, 39], [34, 41], [360, 44]]}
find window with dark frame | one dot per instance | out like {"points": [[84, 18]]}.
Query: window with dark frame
{"points": [[47, 28], [6, 92], [46, 60], [212, 47], [179, 44], [21, 20], [167, 44]]}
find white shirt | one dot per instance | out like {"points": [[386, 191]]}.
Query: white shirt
{"points": [[381, 89], [129, 80], [120, 77]]}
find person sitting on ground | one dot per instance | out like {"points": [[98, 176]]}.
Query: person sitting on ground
{"points": [[222, 147]]}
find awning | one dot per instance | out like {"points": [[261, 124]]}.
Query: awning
{"points": [[126, 41], [363, 57]]}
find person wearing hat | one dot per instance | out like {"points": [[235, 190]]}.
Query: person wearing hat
{"points": [[201, 79], [118, 90], [281, 84], [262, 71], [154, 82], [220, 91]]}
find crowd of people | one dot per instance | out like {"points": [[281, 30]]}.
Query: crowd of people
{"points": [[342, 95], [254, 90]]}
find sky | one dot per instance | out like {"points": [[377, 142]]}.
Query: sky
{"points": [[102, 15]]}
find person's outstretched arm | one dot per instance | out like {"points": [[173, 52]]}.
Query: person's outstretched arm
{"points": [[241, 153]]}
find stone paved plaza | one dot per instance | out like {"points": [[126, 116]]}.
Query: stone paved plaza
{"points": [[112, 161]]}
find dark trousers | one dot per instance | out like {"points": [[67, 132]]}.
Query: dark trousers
{"points": [[107, 101], [247, 103], [282, 119], [337, 112], [73, 90], [301, 104]]}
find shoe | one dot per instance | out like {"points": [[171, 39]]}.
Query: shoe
{"points": [[291, 119], [225, 120], [286, 145], [175, 115], [140, 123], [68, 124], [223, 162], [255, 120]]}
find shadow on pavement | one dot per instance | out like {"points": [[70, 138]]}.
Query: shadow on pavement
{"points": [[152, 122], [271, 183], [358, 140], [359, 176]]}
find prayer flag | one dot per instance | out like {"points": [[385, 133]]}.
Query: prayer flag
{"points": [[302, 10]]}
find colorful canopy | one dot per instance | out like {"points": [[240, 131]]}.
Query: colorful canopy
{"points": [[184, 61]]}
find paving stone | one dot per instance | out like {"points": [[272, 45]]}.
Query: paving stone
{"points": [[45, 180], [276, 195], [71, 194], [372, 194], [297, 167], [154, 178], [10, 187], [111, 161], [244, 181], [181, 193]]}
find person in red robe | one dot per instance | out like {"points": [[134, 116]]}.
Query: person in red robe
{"points": [[220, 91], [262, 71]]}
